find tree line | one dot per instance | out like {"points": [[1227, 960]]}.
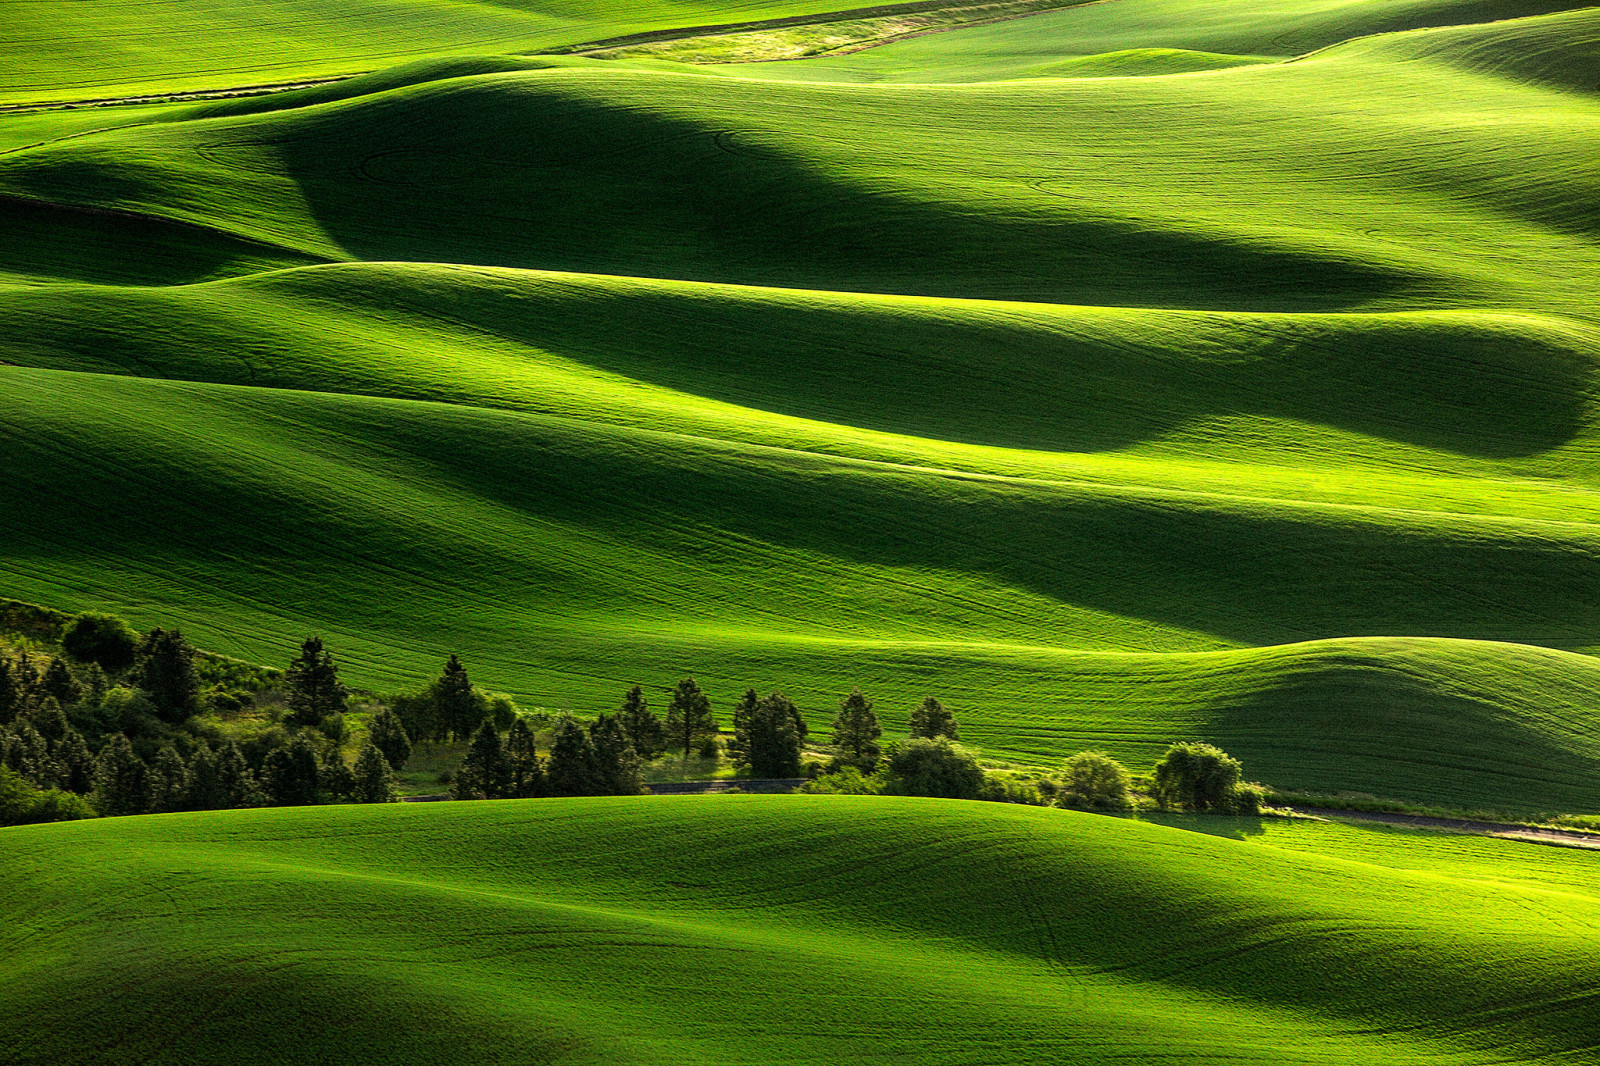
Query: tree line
{"points": [[112, 726]]}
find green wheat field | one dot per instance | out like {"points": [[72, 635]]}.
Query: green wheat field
{"points": [[1122, 373]]}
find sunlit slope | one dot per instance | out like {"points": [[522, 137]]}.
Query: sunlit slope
{"points": [[1046, 44], [1486, 392], [1560, 51], [782, 930], [1448, 189], [566, 559], [55, 50]]}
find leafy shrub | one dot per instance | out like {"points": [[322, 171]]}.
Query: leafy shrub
{"points": [[998, 788], [849, 781], [105, 639], [1201, 777], [933, 767], [23, 804], [1094, 780]]}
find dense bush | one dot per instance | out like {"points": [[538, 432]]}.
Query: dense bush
{"points": [[933, 767], [22, 803], [1201, 777], [1093, 780], [103, 639]]}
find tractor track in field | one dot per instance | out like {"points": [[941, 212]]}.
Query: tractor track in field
{"points": [[1531, 834]]}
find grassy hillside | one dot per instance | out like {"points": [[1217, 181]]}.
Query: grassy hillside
{"points": [[784, 929], [68, 51], [1146, 386]]}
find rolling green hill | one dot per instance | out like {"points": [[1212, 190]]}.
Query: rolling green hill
{"points": [[1158, 380], [785, 929]]}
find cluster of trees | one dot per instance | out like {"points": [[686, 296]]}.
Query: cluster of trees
{"points": [[109, 727]]}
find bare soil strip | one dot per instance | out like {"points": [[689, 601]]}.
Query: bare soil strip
{"points": [[1564, 838]]}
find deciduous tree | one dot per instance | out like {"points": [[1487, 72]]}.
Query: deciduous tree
{"points": [[388, 735], [104, 639], [571, 770], [616, 763], [374, 779]]}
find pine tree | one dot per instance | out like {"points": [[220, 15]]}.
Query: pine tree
{"points": [[60, 684], [856, 730], [98, 685], [171, 780], [30, 685], [289, 775], [75, 764], [616, 763], [932, 720], [484, 772], [522, 759], [311, 685], [571, 770], [689, 718], [335, 780], [206, 790], [388, 735], [29, 755], [123, 784], [739, 746], [374, 779], [458, 707], [10, 692], [774, 737], [644, 728], [164, 669], [49, 721], [236, 780]]}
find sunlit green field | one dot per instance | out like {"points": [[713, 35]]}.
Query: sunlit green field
{"points": [[1120, 374], [786, 929]]}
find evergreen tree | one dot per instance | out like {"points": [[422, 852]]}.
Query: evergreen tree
{"points": [[103, 639], [419, 716], [123, 784], [10, 692], [335, 780], [739, 746], [75, 763], [164, 669], [60, 684], [289, 775], [571, 770], [644, 728], [49, 721], [689, 718], [484, 772], [932, 720], [459, 708], [773, 747], [616, 763], [311, 686], [388, 735], [30, 685], [235, 779], [171, 779], [374, 779], [206, 789], [98, 685], [856, 730], [522, 760], [29, 755]]}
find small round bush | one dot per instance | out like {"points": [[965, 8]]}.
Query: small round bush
{"points": [[1094, 780], [1197, 777], [100, 638]]}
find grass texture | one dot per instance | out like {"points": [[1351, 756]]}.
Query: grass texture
{"points": [[786, 929], [1120, 374]]}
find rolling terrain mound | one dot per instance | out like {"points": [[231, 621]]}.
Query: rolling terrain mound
{"points": [[1253, 403], [668, 930]]}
